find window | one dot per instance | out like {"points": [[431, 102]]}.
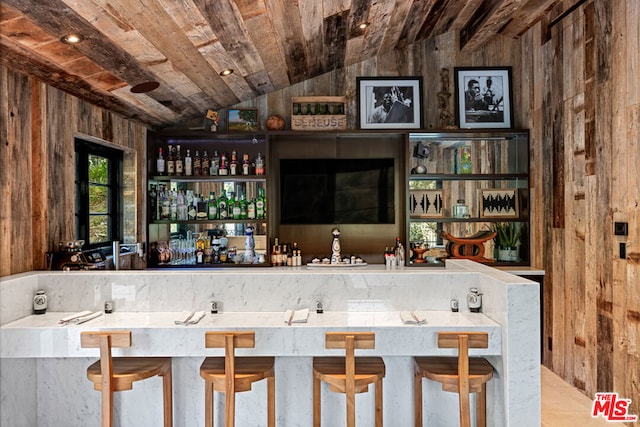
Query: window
{"points": [[98, 193]]}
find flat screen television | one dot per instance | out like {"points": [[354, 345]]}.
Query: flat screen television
{"points": [[337, 191]]}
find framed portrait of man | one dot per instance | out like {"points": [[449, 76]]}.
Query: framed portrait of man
{"points": [[389, 102], [483, 97]]}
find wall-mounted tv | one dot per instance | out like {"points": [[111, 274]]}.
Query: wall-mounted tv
{"points": [[337, 191]]}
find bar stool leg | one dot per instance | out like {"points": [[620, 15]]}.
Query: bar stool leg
{"points": [[417, 399], [481, 406], [167, 395], [208, 404], [378, 387], [230, 410], [316, 401], [271, 401]]}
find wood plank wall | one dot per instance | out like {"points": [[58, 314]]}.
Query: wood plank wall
{"points": [[37, 128], [576, 88], [583, 92]]}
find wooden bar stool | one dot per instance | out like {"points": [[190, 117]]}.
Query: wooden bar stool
{"points": [[350, 374], [111, 374], [462, 374], [231, 375]]}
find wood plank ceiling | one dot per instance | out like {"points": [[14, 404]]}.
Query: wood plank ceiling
{"points": [[185, 44]]}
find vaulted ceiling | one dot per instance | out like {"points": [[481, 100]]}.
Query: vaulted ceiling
{"points": [[184, 45]]}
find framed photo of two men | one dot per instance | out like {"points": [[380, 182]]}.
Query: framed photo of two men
{"points": [[483, 97], [389, 102]]}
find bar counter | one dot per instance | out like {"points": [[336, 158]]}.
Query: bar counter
{"points": [[43, 367]]}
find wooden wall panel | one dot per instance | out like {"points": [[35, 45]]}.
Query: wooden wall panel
{"points": [[37, 128], [15, 159], [591, 295]]}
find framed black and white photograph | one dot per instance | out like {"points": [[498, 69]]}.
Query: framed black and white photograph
{"points": [[389, 102], [483, 97]]}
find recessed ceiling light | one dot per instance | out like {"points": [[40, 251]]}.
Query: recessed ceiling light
{"points": [[72, 38], [226, 72], [363, 25], [144, 87]]}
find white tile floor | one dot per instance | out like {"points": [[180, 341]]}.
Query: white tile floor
{"points": [[565, 406]]}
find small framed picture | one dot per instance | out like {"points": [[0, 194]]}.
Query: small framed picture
{"points": [[499, 203], [425, 204], [389, 102], [483, 97], [242, 119]]}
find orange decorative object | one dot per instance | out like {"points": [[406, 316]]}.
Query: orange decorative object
{"points": [[471, 247]]}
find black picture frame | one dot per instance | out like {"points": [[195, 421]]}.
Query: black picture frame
{"points": [[405, 97], [484, 98]]}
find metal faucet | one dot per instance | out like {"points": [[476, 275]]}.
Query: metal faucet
{"points": [[124, 249]]}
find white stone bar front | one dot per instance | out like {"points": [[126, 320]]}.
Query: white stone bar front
{"points": [[42, 369]]}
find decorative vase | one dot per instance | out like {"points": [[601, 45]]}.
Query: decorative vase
{"points": [[509, 254]]}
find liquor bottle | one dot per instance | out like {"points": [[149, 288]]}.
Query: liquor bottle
{"points": [[215, 163], [205, 163], [188, 164], [246, 166], [284, 255], [223, 169], [222, 206], [182, 207], [244, 207], [260, 204], [203, 208], [233, 166], [171, 163], [165, 204], [197, 165], [153, 202], [274, 258], [237, 212], [179, 162], [251, 209], [173, 209], [192, 207], [231, 201], [160, 163], [289, 256], [200, 243], [212, 208], [259, 165]]}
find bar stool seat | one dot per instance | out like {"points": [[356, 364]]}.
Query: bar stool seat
{"points": [[350, 374], [231, 375], [462, 374], [112, 374]]}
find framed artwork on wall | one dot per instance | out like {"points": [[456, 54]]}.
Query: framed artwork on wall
{"points": [[389, 102], [425, 204], [242, 119], [483, 97], [499, 203]]}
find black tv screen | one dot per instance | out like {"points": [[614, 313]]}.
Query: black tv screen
{"points": [[337, 191]]}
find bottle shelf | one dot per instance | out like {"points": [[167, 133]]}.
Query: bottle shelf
{"points": [[468, 177], [464, 220], [212, 178], [209, 221]]}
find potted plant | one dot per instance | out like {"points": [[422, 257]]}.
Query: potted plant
{"points": [[506, 240]]}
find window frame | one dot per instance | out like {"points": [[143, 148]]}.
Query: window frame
{"points": [[115, 200]]}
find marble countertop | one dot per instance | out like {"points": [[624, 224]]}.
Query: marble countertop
{"points": [[156, 334]]}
